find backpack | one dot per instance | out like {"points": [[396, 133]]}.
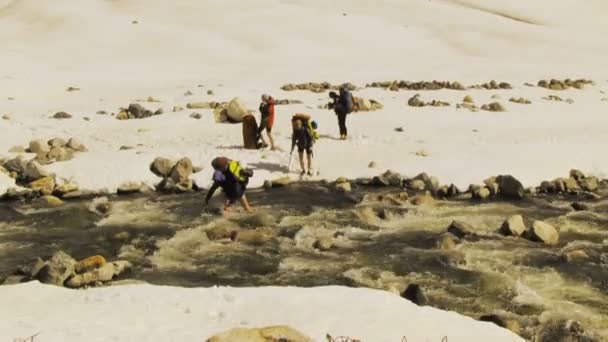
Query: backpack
{"points": [[347, 101], [310, 125], [240, 173]]}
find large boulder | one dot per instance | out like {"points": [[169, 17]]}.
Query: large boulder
{"points": [[182, 170], [34, 171], [509, 187], [461, 229], [543, 232], [423, 199], [46, 202], [137, 111], [38, 146], [236, 110], [281, 333], [513, 226], [589, 183], [363, 105], [16, 165], [162, 167], [57, 269]]}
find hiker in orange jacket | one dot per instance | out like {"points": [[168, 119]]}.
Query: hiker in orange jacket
{"points": [[267, 120]]}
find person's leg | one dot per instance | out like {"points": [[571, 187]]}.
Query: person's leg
{"points": [[342, 123], [270, 138], [301, 154], [263, 125], [227, 205], [309, 154]]}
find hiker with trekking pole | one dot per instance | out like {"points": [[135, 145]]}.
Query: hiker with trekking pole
{"points": [[304, 136]]}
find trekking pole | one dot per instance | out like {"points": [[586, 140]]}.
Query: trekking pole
{"points": [[289, 164]]}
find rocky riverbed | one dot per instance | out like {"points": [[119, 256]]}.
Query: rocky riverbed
{"points": [[452, 254]]}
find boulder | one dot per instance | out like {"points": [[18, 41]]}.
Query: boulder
{"points": [[344, 187], [76, 145], [62, 115], [547, 187], [579, 206], [56, 142], [461, 229], [162, 167], [562, 330], [220, 233], [34, 171], [513, 226], [44, 185], [414, 294], [57, 269], [66, 188], [589, 183], [38, 147], [103, 274], [571, 185], [481, 193], [46, 202], [255, 237], [279, 182], [423, 199], [60, 154], [137, 111], [236, 110], [543, 232], [363, 105], [578, 175], [90, 264], [280, 333], [417, 185], [182, 171], [509, 187], [324, 243]]}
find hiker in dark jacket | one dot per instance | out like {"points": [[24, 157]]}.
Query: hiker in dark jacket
{"points": [[232, 178], [343, 104], [302, 138]]}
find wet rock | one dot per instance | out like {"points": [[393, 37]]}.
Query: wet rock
{"points": [[57, 269], [44, 185], [380, 181], [101, 206], [220, 233], [504, 322], [575, 256], [579, 206], [259, 219], [509, 187], [513, 226], [343, 187], [280, 333], [89, 264], [461, 229], [38, 147], [76, 145], [46, 202], [324, 243], [446, 242], [162, 167], [562, 331], [543, 232], [182, 171], [268, 185], [414, 294], [280, 182], [423, 199], [480, 193], [62, 115], [255, 237], [34, 171], [102, 274]]}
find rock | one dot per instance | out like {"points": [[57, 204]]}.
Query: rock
{"points": [[177, 109], [572, 185], [159, 111], [220, 233], [468, 99], [481, 193], [281, 333], [66, 188], [363, 105], [62, 115], [417, 185], [197, 116], [57, 269], [182, 171], [14, 279], [60, 154], [579, 206], [415, 101], [76, 145], [17, 149], [280, 182], [101, 206], [422, 153], [372, 165], [38, 147], [56, 142], [324, 243], [380, 181], [6, 117], [344, 187], [162, 167], [520, 100], [589, 184], [543, 232], [461, 229], [44, 185], [236, 110], [493, 107], [34, 171], [90, 264], [509, 187], [209, 92], [562, 331], [446, 242], [199, 105], [492, 185], [513, 226], [575, 256], [46, 202], [124, 148], [414, 294], [16, 165], [255, 237], [394, 178], [137, 111], [509, 324], [547, 187], [101, 112], [559, 185], [131, 187], [103, 274], [423, 199], [123, 115]]}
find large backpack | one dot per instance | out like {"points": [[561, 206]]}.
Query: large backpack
{"points": [[240, 173], [309, 124], [347, 100]]}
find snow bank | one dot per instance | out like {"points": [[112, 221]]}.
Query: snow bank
{"points": [[155, 313]]}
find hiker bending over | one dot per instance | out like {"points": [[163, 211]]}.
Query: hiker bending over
{"points": [[233, 179], [267, 120], [343, 104], [302, 138]]}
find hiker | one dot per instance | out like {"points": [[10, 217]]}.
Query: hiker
{"points": [[343, 104], [267, 120], [233, 179], [303, 136]]}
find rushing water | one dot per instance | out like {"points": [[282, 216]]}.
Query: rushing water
{"points": [[379, 243]]}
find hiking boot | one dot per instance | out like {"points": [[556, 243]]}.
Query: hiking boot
{"points": [[309, 172], [302, 173]]}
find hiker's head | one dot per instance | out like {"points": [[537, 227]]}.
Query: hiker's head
{"points": [[333, 94], [265, 98], [297, 124], [220, 163]]}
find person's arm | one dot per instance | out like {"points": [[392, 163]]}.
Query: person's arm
{"points": [[293, 141], [211, 191]]}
